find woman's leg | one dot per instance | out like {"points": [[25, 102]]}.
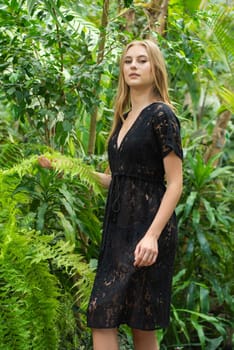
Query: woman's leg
{"points": [[105, 339], [144, 340]]}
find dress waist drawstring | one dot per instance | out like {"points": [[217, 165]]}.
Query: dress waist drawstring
{"points": [[116, 190]]}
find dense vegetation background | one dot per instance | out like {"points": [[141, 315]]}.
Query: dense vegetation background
{"points": [[58, 76]]}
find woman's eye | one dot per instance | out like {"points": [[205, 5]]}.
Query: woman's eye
{"points": [[141, 61]]}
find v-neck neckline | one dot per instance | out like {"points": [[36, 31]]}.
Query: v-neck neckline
{"points": [[119, 145]]}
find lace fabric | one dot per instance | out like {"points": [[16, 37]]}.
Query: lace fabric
{"points": [[122, 293]]}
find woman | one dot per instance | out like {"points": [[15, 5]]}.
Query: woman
{"points": [[134, 275]]}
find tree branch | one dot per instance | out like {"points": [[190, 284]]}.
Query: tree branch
{"points": [[100, 56], [218, 137]]}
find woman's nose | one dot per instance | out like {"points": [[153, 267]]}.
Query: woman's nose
{"points": [[133, 64]]}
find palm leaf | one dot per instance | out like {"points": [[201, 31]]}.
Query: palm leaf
{"points": [[221, 31], [228, 97], [31, 5]]}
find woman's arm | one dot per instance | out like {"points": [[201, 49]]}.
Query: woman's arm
{"points": [[174, 179], [103, 178], [147, 249]]}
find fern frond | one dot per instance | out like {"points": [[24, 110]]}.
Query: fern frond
{"points": [[228, 97], [31, 291], [84, 284], [24, 167], [76, 167], [33, 265], [10, 154], [67, 165]]}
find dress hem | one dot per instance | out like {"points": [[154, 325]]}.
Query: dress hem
{"points": [[130, 326]]}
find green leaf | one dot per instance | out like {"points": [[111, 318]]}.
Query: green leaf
{"points": [[228, 97], [216, 322], [204, 299], [128, 3], [192, 6], [209, 211], [213, 344], [41, 216], [204, 245], [30, 5], [68, 228], [200, 332], [181, 323], [190, 202], [195, 217], [191, 301], [178, 276], [220, 172]]}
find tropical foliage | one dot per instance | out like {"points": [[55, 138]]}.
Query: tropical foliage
{"points": [[59, 68]]}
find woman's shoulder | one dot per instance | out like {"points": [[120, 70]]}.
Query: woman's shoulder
{"points": [[163, 113], [161, 108]]}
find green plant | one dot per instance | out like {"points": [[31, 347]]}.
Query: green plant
{"points": [[202, 302], [50, 84], [37, 269]]}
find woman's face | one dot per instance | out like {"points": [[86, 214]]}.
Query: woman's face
{"points": [[137, 68]]}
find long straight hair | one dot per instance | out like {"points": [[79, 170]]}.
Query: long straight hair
{"points": [[122, 102]]}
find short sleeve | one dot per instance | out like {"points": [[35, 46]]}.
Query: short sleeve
{"points": [[167, 131]]}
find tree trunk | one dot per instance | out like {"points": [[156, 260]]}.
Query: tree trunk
{"points": [[157, 13], [129, 15], [162, 19], [101, 48], [218, 137]]}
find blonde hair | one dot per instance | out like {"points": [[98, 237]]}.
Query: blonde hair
{"points": [[159, 72]]}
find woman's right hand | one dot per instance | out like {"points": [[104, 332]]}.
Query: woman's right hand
{"points": [[45, 162]]}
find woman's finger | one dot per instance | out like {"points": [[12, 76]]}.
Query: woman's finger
{"points": [[147, 259]]}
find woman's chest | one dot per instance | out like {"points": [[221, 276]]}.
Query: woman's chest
{"points": [[136, 146]]}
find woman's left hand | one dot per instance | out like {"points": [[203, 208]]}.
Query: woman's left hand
{"points": [[146, 251]]}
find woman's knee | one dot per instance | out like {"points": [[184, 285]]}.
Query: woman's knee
{"points": [[105, 339], [139, 333], [144, 339]]}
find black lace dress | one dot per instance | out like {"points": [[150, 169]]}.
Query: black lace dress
{"points": [[122, 293]]}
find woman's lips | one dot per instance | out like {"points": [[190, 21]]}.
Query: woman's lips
{"points": [[134, 75]]}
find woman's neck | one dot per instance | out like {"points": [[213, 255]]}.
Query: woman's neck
{"points": [[140, 99]]}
